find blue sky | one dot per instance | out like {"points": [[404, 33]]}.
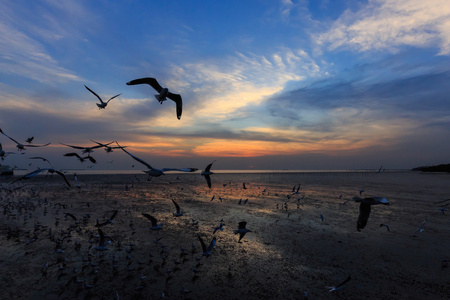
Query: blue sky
{"points": [[266, 84]]}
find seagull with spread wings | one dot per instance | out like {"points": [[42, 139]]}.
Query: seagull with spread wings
{"points": [[102, 104], [208, 172], [21, 146], [49, 170], [152, 172], [87, 150], [163, 92]]}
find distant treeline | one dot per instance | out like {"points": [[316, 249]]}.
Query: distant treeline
{"points": [[438, 168]]}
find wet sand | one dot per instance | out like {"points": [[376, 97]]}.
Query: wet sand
{"points": [[288, 252]]}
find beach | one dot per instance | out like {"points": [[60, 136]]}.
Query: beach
{"points": [[299, 242]]}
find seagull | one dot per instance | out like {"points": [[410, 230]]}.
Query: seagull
{"points": [[91, 159], [178, 213], [20, 146], [108, 149], [29, 140], [163, 92], [49, 170], [42, 158], [340, 285], [365, 207], [206, 173], [207, 251], [155, 225], [241, 230], [102, 104], [87, 150], [108, 221], [152, 172]]}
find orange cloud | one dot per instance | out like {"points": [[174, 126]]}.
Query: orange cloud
{"points": [[239, 148]]}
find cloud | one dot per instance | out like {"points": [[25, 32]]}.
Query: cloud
{"points": [[25, 46], [391, 24]]}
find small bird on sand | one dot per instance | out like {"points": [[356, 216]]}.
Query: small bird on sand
{"points": [[155, 225], [241, 230], [178, 213], [340, 285], [163, 92], [207, 173], [207, 250], [102, 104]]}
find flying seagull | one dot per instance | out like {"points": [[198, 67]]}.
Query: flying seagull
{"points": [[108, 221], [163, 92], [20, 146], [365, 208], [87, 150], [29, 140], [155, 225], [109, 149], [43, 159], [207, 250], [206, 173], [340, 285], [102, 104], [49, 170], [241, 230], [91, 159], [152, 172]]}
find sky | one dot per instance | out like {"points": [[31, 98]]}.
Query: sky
{"points": [[266, 84]]}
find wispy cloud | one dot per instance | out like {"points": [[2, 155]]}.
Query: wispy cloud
{"points": [[391, 24]]}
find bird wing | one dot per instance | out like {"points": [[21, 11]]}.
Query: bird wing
{"points": [[63, 176], [148, 80], [95, 94], [208, 180], [38, 157], [203, 244], [176, 206], [151, 218], [211, 245], [76, 147], [91, 159], [181, 170], [29, 175], [344, 282], [208, 167], [37, 145], [179, 102], [113, 98], [136, 158], [9, 137], [114, 214], [73, 154]]}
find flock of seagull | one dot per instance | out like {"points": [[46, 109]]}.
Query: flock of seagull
{"points": [[365, 206]]}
